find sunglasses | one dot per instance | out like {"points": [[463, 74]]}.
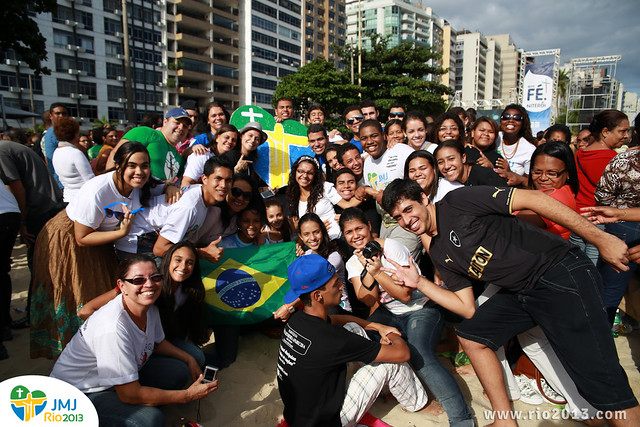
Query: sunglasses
{"points": [[396, 115], [237, 192], [139, 281], [352, 120], [118, 214], [516, 117]]}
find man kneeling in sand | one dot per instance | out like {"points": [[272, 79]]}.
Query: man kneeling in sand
{"points": [[315, 349]]}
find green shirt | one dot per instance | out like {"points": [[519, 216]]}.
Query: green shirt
{"points": [[166, 163], [94, 151]]}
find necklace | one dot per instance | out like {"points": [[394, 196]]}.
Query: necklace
{"points": [[513, 153]]}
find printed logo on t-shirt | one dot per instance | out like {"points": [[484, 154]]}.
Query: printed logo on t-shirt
{"points": [[171, 166], [448, 259], [479, 261], [376, 181], [295, 341], [498, 190], [454, 239]]}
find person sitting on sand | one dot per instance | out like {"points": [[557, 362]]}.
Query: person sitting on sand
{"points": [[315, 349]]}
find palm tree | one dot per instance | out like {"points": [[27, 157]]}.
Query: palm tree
{"points": [[563, 85]]}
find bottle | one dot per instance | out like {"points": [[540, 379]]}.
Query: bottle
{"points": [[616, 325]]}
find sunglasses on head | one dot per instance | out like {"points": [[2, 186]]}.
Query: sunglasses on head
{"points": [[139, 281], [118, 214], [396, 115], [516, 117], [352, 120], [237, 192]]}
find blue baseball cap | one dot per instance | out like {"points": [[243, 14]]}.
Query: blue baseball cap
{"points": [[306, 274], [177, 113]]}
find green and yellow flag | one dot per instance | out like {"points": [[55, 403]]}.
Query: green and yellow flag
{"points": [[248, 284]]}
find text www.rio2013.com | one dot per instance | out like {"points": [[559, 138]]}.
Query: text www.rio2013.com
{"points": [[550, 414]]}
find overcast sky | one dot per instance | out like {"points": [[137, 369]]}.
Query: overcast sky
{"points": [[580, 28]]}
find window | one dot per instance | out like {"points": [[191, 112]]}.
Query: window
{"points": [[85, 18], [62, 38], [114, 93], [111, 5], [64, 63], [310, 7], [289, 47], [289, 60], [86, 42], [264, 39], [148, 77], [66, 87], [198, 66], [264, 83], [8, 80], [264, 24], [114, 70], [290, 19], [290, 5], [260, 67], [219, 70], [87, 111], [295, 35], [309, 57], [145, 14], [285, 72], [61, 14], [111, 26], [261, 53], [308, 31], [116, 113], [263, 8], [112, 48], [142, 35], [261, 98]]}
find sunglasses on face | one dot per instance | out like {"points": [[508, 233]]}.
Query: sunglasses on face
{"points": [[396, 115], [139, 281], [516, 117], [237, 192], [118, 214], [352, 120]]}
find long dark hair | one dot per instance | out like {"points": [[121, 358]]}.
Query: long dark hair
{"points": [[327, 246], [293, 189], [256, 200], [423, 154], [525, 129], [609, 119], [123, 268], [121, 158], [493, 124], [187, 321], [449, 115], [212, 143], [560, 151]]}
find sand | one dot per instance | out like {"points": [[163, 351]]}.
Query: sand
{"points": [[248, 395]]}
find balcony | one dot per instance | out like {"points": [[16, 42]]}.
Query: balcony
{"points": [[194, 75], [192, 40], [193, 92], [192, 5], [188, 22]]}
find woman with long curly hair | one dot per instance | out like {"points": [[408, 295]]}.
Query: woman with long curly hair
{"points": [[224, 141], [308, 192]]}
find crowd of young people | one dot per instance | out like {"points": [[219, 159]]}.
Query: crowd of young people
{"points": [[168, 196]]}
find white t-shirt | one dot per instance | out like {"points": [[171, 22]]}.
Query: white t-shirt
{"points": [[378, 173], [72, 167], [88, 207], [8, 203], [324, 209], [108, 349], [444, 187], [520, 160], [212, 228], [195, 165], [400, 254]]}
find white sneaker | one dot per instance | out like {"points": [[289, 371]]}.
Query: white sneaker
{"points": [[550, 392], [528, 392]]}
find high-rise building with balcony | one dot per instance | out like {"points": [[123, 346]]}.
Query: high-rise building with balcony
{"points": [[478, 70], [86, 54], [324, 24], [510, 72], [203, 51], [402, 20]]}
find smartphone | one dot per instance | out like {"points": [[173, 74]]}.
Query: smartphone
{"points": [[267, 194], [210, 374]]}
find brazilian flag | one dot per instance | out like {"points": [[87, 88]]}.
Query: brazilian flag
{"points": [[248, 284]]}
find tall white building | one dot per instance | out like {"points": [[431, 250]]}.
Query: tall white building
{"points": [[510, 57], [478, 70], [85, 45], [401, 19], [270, 47]]}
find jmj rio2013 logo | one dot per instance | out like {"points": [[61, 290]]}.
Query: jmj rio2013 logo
{"points": [[40, 400]]}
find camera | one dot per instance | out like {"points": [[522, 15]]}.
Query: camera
{"points": [[371, 249]]}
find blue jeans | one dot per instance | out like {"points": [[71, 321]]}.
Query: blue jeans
{"points": [[588, 248], [422, 329], [614, 284], [160, 372], [168, 373], [567, 304], [112, 412]]}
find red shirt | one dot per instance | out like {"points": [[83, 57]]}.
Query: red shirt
{"points": [[566, 197], [592, 163]]}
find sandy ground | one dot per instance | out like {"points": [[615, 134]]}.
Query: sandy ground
{"points": [[248, 396]]}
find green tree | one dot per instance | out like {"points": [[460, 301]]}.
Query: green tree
{"points": [[399, 74], [20, 32], [104, 121], [317, 82]]}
